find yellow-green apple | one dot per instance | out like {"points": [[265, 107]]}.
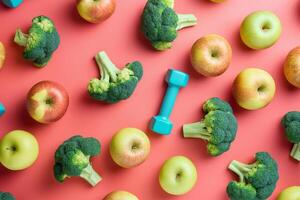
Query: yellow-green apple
{"points": [[178, 175], [292, 67], [253, 88], [18, 150], [120, 195], [290, 193], [47, 101], [2, 55], [260, 29], [96, 11], [129, 147], [211, 55], [218, 1]]}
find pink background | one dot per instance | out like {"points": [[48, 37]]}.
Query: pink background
{"points": [[73, 65]]}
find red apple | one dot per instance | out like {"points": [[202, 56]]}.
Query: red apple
{"points": [[47, 102], [96, 11]]}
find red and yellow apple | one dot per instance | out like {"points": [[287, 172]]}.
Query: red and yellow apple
{"points": [[47, 101], [96, 11], [253, 88], [18, 150], [292, 67], [120, 195], [2, 55], [218, 1], [211, 55]]}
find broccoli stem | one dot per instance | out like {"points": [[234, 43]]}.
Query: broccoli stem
{"points": [[186, 20], [103, 60], [20, 38], [295, 153], [196, 130], [90, 175], [103, 72], [240, 168]]}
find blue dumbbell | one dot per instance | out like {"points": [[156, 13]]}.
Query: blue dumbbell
{"points": [[12, 3], [161, 123], [2, 109]]}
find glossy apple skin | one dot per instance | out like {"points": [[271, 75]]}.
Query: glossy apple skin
{"points": [[218, 1], [253, 88], [18, 150], [178, 175], [47, 102], [2, 55], [292, 67], [211, 55], [260, 30], [96, 11], [290, 193], [129, 147], [120, 195]]}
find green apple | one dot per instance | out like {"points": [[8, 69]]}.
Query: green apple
{"points": [[2, 54], [253, 88], [18, 150], [290, 193], [260, 29], [120, 195], [178, 175], [129, 147], [211, 55]]}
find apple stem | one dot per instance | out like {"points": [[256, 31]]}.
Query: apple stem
{"points": [[20, 38], [295, 153], [90, 175], [196, 130], [186, 20]]}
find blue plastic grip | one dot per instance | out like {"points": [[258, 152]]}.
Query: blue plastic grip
{"points": [[2, 109], [12, 3]]}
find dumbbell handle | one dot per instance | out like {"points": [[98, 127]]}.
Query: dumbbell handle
{"points": [[169, 101]]}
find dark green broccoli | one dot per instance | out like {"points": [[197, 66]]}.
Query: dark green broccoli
{"points": [[257, 180], [160, 23], [291, 124], [6, 196], [41, 41], [72, 158], [114, 84], [218, 127]]}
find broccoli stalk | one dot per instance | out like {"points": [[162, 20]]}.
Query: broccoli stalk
{"points": [[295, 153], [90, 175], [196, 130], [185, 20], [21, 38], [240, 168]]}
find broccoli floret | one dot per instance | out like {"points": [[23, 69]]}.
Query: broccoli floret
{"points": [[72, 158], [6, 196], [114, 84], [218, 127], [291, 124], [160, 23], [40, 42], [257, 180]]}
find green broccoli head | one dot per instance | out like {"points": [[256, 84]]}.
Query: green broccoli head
{"points": [[115, 84], [257, 180], [40, 42], [160, 23], [291, 124], [218, 127], [72, 158], [6, 196]]}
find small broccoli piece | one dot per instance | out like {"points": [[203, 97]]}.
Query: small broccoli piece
{"points": [[115, 84], [6, 196], [218, 127], [257, 180], [41, 41], [160, 23], [291, 124], [72, 158]]}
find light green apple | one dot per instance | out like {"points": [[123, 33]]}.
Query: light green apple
{"points": [[129, 147], [120, 195], [290, 193], [178, 175], [260, 29], [253, 88], [18, 150]]}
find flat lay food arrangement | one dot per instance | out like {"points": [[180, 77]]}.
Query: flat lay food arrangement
{"points": [[151, 99]]}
